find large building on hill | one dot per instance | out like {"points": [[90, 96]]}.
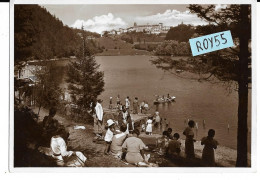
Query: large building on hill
{"points": [[148, 29]]}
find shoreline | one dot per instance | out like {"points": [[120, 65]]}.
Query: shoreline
{"points": [[224, 156], [82, 140]]}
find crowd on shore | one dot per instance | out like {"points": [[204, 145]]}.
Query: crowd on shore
{"points": [[121, 135]]}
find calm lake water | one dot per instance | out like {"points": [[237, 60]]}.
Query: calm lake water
{"points": [[135, 76]]}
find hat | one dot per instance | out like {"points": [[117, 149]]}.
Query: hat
{"points": [[110, 122], [110, 97]]}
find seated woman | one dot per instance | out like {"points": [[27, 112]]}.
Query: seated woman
{"points": [[162, 143], [134, 147], [117, 141], [174, 147], [60, 153]]}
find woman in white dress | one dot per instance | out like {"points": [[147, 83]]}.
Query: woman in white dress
{"points": [[149, 124]]}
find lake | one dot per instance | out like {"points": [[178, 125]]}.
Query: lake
{"points": [[135, 76]]}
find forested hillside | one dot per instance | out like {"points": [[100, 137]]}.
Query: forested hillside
{"points": [[40, 35]]}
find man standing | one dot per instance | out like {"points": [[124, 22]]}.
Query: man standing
{"points": [[99, 114]]}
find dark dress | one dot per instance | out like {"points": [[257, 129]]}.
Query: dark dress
{"points": [[189, 143], [208, 155]]}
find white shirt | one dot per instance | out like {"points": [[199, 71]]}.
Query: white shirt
{"points": [[127, 103], [99, 111], [109, 135], [59, 147]]}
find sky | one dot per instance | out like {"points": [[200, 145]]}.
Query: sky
{"points": [[98, 18]]}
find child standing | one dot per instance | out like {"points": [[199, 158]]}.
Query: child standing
{"points": [[164, 124], [149, 124], [157, 120], [208, 156], [109, 135]]}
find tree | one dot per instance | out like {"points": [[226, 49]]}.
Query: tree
{"points": [[230, 66], [47, 88], [180, 33], [85, 81]]}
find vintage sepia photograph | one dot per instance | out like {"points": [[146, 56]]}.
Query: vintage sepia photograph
{"points": [[132, 85]]}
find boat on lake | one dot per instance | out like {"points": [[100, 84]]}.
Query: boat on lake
{"points": [[164, 100]]}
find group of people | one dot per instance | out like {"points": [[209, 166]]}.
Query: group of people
{"points": [[169, 144], [125, 145], [56, 136], [122, 137], [143, 106], [156, 121]]}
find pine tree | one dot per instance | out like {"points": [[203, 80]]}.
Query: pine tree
{"points": [[85, 80]]}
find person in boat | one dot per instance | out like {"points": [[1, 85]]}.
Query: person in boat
{"points": [[189, 141], [135, 106], [134, 148], [117, 142], [208, 154]]}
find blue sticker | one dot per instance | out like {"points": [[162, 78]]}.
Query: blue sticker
{"points": [[212, 42]]}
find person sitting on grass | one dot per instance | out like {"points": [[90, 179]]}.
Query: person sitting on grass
{"points": [[134, 148], [210, 144], [117, 142], [50, 126], [174, 147], [169, 133], [109, 135], [60, 153], [162, 143]]}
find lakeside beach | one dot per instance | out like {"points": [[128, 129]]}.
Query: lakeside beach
{"points": [[82, 140]]}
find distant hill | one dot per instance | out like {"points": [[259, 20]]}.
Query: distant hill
{"points": [[40, 35]]}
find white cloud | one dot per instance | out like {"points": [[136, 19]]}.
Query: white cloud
{"points": [[100, 23], [171, 18], [220, 6]]}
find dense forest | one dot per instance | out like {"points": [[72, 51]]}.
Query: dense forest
{"points": [[40, 35], [180, 33]]}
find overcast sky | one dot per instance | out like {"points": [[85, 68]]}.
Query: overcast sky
{"points": [[98, 18]]}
